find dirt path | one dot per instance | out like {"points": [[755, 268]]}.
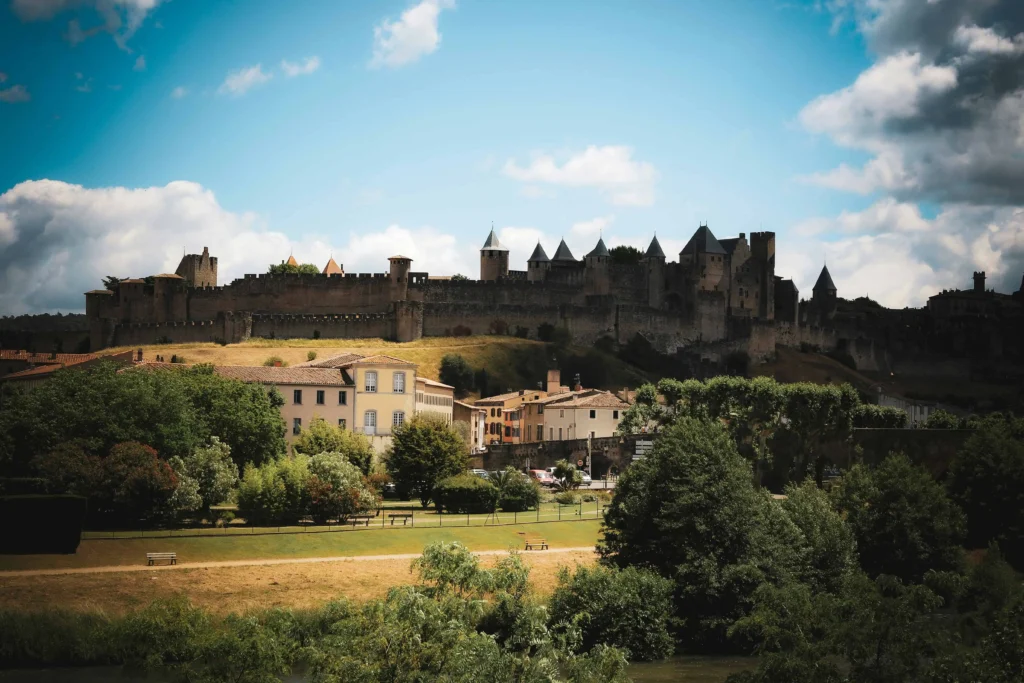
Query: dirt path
{"points": [[256, 563]]}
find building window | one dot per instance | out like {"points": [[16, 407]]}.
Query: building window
{"points": [[371, 382], [540, 410], [297, 397], [370, 422], [398, 382], [320, 397], [559, 433], [342, 398], [296, 425], [397, 418], [615, 415], [561, 413], [508, 431], [342, 422], [593, 414], [540, 432], [551, 433]]}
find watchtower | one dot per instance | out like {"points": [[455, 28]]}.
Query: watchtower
{"points": [[399, 276], [493, 259]]}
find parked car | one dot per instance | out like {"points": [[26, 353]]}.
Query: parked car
{"points": [[480, 473], [543, 477], [586, 477]]}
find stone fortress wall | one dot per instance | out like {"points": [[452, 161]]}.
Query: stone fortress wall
{"points": [[721, 297]]}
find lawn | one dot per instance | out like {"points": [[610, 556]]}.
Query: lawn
{"points": [[373, 541]]}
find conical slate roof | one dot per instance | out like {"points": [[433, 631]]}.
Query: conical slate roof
{"points": [[563, 253], [600, 249], [824, 281], [492, 243], [292, 262], [655, 251], [332, 268], [703, 242], [538, 254]]}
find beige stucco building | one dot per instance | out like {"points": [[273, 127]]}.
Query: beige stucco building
{"points": [[435, 398], [573, 415]]}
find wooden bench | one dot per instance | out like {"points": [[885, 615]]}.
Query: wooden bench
{"points": [[356, 519], [404, 516], [535, 543], [154, 557]]}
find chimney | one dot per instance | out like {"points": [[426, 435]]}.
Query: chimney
{"points": [[979, 282], [554, 381]]}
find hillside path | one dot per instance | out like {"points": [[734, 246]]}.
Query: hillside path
{"points": [[257, 562]]}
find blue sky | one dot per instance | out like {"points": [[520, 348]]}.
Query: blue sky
{"points": [[412, 127]]}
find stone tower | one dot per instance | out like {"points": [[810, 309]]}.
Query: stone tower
{"points": [[493, 259], [399, 277], [596, 275], [537, 265], [979, 282], [655, 262], [198, 270], [823, 295], [762, 251], [704, 258]]}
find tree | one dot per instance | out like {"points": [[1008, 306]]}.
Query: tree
{"points": [[871, 416], [625, 255], [287, 269], [942, 419], [986, 478], [516, 491], [322, 437], [336, 488], [459, 277], [136, 486], [423, 451], [456, 372], [690, 512], [626, 608], [645, 415], [214, 472], [567, 477], [111, 282], [830, 551], [465, 493], [902, 519], [69, 468], [275, 492]]}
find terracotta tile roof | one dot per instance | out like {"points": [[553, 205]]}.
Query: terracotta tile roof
{"points": [[328, 377], [174, 276], [600, 399], [430, 382], [133, 281], [332, 362], [501, 398], [379, 360], [20, 354], [32, 372], [469, 406], [555, 398], [99, 291]]}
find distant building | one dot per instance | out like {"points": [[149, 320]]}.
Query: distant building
{"points": [[476, 422], [25, 369], [435, 398], [502, 416]]}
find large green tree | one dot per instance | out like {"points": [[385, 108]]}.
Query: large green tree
{"points": [[424, 451], [214, 472], [829, 549], [690, 512], [322, 437], [902, 519], [456, 372]]}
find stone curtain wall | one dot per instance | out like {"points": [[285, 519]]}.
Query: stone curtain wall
{"points": [[606, 453]]}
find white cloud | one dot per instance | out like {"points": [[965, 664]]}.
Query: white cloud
{"points": [[16, 93], [985, 40], [595, 227], [140, 64], [292, 69], [610, 169], [414, 35], [121, 18], [239, 82], [59, 240], [179, 92]]}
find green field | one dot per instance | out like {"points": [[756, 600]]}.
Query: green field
{"points": [[374, 541]]}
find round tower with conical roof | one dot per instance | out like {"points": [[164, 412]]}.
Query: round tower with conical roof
{"points": [[493, 259], [596, 274], [654, 259], [537, 265], [824, 295]]}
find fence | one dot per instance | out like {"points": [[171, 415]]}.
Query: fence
{"points": [[386, 517]]}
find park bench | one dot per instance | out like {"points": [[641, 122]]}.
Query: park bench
{"points": [[356, 519], [536, 543], [404, 516], [155, 557]]}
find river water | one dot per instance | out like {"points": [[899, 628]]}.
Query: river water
{"points": [[684, 669]]}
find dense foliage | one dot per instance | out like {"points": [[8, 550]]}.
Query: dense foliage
{"points": [[465, 493], [321, 436], [868, 415], [289, 269], [567, 477], [456, 372], [689, 512], [516, 491], [175, 411], [210, 472], [828, 546], [987, 480], [424, 451], [627, 608], [904, 522]]}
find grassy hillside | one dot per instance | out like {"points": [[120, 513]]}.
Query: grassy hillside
{"points": [[791, 365], [510, 362]]}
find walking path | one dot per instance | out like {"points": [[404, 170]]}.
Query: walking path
{"points": [[256, 562]]}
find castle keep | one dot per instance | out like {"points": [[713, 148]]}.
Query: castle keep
{"points": [[719, 297]]}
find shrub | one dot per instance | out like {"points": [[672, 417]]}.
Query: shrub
{"points": [[517, 492], [567, 477], [627, 608], [136, 485], [567, 498], [337, 489], [465, 493], [323, 437], [310, 356], [868, 415], [275, 361], [829, 546], [41, 523], [275, 492], [942, 419]]}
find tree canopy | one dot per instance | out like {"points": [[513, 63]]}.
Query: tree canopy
{"points": [[287, 268], [425, 450], [321, 436]]}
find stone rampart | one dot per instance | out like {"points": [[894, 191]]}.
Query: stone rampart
{"points": [[609, 454], [341, 326]]}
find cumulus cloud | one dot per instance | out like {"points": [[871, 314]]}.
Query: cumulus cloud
{"points": [[610, 169], [242, 80], [58, 240], [15, 93], [140, 64], [292, 69], [121, 18], [595, 227], [414, 35], [179, 92]]}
